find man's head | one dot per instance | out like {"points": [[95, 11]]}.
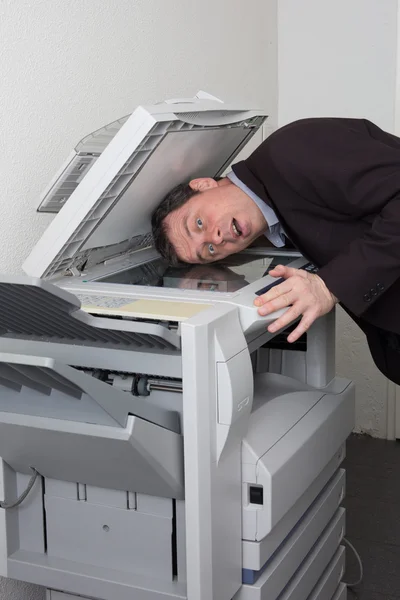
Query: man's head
{"points": [[205, 221]]}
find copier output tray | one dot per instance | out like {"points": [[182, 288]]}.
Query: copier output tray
{"points": [[68, 425]]}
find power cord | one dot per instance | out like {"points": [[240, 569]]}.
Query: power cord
{"points": [[24, 494], [359, 580]]}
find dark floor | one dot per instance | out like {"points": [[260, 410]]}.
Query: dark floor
{"points": [[373, 516]]}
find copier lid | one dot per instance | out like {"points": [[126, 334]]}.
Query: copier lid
{"points": [[128, 168]]}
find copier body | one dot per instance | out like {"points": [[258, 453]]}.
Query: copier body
{"points": [[180, 449]]}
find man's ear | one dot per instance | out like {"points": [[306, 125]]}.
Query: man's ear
{"points": [[202, 184]]}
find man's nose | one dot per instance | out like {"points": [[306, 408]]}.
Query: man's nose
{"points": [[217, 236]]}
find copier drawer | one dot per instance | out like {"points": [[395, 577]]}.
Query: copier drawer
{"points": [[305, 579], [292, 436], [256, 554], [303, 537], [331, 578], [108, 537]]}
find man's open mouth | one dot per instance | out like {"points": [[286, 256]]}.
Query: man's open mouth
{"points": [[236, 228]]}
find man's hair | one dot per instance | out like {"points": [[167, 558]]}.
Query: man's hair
{"points": [[172, 201]]}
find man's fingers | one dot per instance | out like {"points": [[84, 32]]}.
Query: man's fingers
{"points": [[301, 328], [292, 281], [286, 272], [305, 294], [290, 315], [275, 292], [282, 301]]}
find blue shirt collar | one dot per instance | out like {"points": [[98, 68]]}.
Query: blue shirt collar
{"points": [[274, 232]]}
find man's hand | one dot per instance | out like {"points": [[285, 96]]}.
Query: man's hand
{"points": [[305, 293]]}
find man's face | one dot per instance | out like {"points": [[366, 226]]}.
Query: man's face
{"points": [[220, 220]]}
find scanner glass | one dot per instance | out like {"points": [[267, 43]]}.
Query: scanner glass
{"points": [[230, 275]]}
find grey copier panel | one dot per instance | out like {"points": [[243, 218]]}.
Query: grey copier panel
{"points": [[156, 441]]}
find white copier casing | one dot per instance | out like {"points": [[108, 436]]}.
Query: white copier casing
{"points": [[180, 449]]}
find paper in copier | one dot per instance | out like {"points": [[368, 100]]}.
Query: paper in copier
{"points": [[182, 450]]}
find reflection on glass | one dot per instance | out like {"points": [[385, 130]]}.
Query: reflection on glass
{"points": [[229, 275]]}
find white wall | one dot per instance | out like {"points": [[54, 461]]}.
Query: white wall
{"points": [[68, 67], [339, 59]]}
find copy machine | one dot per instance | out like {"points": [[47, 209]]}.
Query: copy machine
{"points": [[156, 441]]}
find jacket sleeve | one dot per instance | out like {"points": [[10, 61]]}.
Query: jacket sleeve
{"points": [[368, 265], [352, 168]]}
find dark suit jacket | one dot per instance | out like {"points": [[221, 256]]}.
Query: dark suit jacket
{"points": [[335, 186]]}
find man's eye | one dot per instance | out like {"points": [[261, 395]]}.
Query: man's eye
{"points": [[211, 248], [199, 223]]}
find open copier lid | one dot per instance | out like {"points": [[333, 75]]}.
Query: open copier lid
{"points": [[107, 190]]}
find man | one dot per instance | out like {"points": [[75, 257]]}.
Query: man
{"points": [[332, 187]]}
